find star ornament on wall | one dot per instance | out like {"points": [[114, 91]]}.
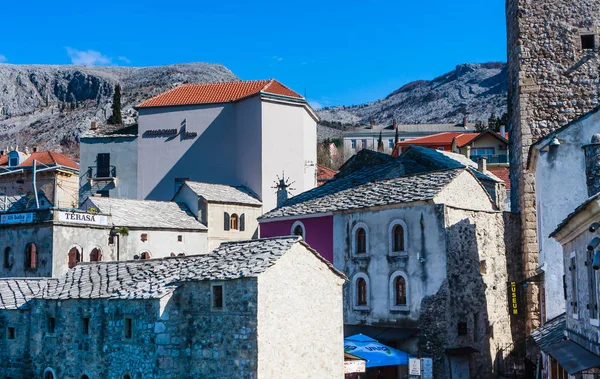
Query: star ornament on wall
{"points": [[283, 183]]}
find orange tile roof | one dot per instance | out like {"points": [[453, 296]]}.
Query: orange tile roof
{"points": [[324, 174], [465, 138], [3, 160], [212, 93], [49, 158], [504, 174], [440, 138]]}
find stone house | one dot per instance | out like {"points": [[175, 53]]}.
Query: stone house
{"points": [[553, 71], [46, 242], [240, 133], [256, 309], [427, 264], [230, 213], [56, 176]]}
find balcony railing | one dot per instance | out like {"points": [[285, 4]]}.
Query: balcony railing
{"points": [[102, 173], [492, 159]]}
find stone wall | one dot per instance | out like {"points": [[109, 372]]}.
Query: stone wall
{"points": [[16, 238], [15, 354], [552, 81]]}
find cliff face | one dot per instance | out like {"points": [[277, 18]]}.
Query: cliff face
{"points": [[50, 106], [475, 89]]}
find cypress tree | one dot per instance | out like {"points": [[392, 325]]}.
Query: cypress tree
{"points": [[380, 143], [396, 137], [116, 119]]}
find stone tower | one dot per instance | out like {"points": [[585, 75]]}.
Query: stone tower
{"points": [[553, 79]]}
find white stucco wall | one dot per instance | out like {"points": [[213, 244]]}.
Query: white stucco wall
{"points": [[300, 319], [560, 188], [162, 243], [423, 240], [289, 138], [454, 194], [216, 230], [123, 155]]}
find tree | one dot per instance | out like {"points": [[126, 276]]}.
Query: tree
{"points": [[380, 143], [396, 137], [480, 127], [116, 118]]}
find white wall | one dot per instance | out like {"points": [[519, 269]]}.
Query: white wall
{"points": [[560, 188], [454, 194], [216, 225], [162, 243]]}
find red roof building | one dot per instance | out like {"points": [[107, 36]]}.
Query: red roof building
{"points": [[214, 93], [324, 174]]}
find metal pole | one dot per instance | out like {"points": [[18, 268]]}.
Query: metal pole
{"points": [[37, 201]]}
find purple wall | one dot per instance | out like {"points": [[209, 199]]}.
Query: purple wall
{"points": [[318, 231]]}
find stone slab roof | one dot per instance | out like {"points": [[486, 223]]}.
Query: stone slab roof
{"points": [[219, 193], [112, 131], [15, 293], [145, 213], [343, 194], [551, 333], [155, 278]]}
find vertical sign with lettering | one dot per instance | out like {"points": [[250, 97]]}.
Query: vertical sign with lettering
{"points": [[513, 298]]}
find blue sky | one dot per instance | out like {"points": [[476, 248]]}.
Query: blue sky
{"points": [[338, 52]]}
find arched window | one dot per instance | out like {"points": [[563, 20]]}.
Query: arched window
{"points": [[84, 376], [298, 230], [31, 256], [234, 222], [8, 259], [397, 237], [74, 257], [360, 239], [398, 291], [126, 376], [96, 255], [360, 289], [145, 255], [49, 374]]}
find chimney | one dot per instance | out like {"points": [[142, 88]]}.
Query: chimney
{"points": [[94, 125], [35, 149], [282, 192], [395, 124], [372, 123], [465, 119], [503, 131], [592, 165], [482, 164]]}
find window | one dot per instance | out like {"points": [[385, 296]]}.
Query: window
{"points": [[234, 222], [217, 296], [361, 288], [391, 143], [31, 256], [364, 144], [592, 287], [483, 267], [462, 329], [84, 376], [13, 162], [49, 374], [144, 237], [10, 333], [440, 149], [103, 162], [242, 222], [397, 238], [298, 229], [126, 376], [573, 270], [353, 143], [74, 257], [482, 151], [226, 221], [398, 291], [128, 328], [361, 241], [8, 260], [51, 325], [360, 291], [145, 255], [179, 238], [96, 255], [588, 42], [85, 325]]}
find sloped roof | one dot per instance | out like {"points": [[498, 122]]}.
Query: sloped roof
{"points": [[551, 333], [324, 174], [16, 292], [49, 158], [3, 160], [502, 174], [23, 203], [440, 138], [219, 193], [465, 139], [155, 278], [146, 213], [212, 93]]}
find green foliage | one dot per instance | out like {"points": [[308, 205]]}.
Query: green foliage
{"points": [[116, 118], [380, 143]]}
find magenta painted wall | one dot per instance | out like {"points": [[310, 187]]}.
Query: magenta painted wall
{"points": [[318, 231]]}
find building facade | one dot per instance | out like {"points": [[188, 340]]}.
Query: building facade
{"points": [[424, 261], [182, 317], [553, 80]]}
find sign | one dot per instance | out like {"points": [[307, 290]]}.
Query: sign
{"points": [[161, 132], [172, 133], [513, 298], [414, 366], [427, 368], [83, 218], [355, 366], [17, 218]]}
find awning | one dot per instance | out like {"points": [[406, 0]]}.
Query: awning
{"points": [[375, 353], [572, 357]]}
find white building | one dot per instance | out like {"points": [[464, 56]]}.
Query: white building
{"points": [[236, 133]]}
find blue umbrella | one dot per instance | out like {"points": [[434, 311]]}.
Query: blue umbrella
{"points": [[376, 354]]}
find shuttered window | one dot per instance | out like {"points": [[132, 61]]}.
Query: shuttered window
{"points": [[573, 271], [592, 284], [226, 220], [242, 222]]}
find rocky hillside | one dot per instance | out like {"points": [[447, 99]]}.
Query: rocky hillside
{"points": [[475, 89], [50, 106]]}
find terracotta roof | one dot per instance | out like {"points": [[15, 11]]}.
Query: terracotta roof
{"points": [[440, 138], [49, 158], [211, 93], [465, 139], [3, 160], [324, 174], [503, 174]]}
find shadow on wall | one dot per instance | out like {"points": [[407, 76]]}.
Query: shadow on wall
{"points": [[212, 158]]}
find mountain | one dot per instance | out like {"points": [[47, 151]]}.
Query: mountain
{"points": [[477, 90], [50, 106]]}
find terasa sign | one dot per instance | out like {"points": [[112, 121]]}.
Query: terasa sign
{"points": [[83, 218], [17, 218]]}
